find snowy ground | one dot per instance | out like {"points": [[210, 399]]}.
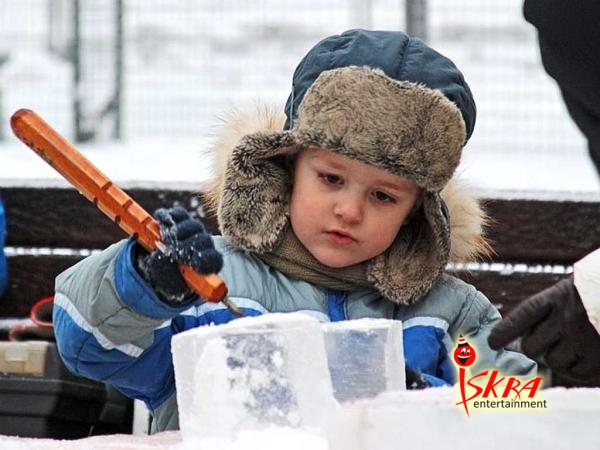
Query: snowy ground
{"points": [[188, 61], [180, 163], [412, 420]]}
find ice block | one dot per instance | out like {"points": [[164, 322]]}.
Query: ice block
{"points": [[586, 274], [365, 357], [251, 374]]}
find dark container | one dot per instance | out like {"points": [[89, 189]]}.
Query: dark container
{"points": [[53, 403]]}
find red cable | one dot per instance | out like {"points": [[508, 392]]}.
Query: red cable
{"points": [[34, 313]]}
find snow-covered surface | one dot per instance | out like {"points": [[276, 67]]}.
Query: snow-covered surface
{"points": [[416, 420], [272, 439], [168, 163], [167, 440], [430, 420], [558, 174], [188, 62], [184, 163]]}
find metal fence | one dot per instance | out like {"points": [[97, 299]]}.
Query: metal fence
{"points": [[108, 69]]}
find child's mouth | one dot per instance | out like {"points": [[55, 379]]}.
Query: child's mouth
{"points": [[340, 238]]}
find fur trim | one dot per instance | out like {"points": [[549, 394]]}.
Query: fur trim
{"points": [[468, 221], [402, 127], [232, 128], [409, 267], [467, 218]]}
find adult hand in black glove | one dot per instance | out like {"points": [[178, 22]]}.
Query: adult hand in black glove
{"points": [[556, 330], [185, 242]]}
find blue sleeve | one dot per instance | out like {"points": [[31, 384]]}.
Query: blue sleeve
{"points": [[111, 326], [425, 351]]}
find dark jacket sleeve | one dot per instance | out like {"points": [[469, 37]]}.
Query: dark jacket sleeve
{"points": [[569, 35]]}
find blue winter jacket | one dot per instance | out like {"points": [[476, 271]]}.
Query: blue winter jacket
{"points": [[110, 325]]}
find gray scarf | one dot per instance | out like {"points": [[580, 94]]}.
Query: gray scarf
{"points": [[293, 259]]}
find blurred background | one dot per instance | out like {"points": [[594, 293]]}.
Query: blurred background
{"points": [[126, 71]]}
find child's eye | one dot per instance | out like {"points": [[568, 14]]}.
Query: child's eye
{"points": [[331, 178], [383, 197]]}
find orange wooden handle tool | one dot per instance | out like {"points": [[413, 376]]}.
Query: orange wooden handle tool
{"points": [[34, 132]]}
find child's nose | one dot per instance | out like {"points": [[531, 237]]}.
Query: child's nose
{"points": [[349, 209]]}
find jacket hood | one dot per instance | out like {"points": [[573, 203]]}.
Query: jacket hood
{"points": [[467, 219]]}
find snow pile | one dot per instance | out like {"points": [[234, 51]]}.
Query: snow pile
{"points": [[430, 419], [273, 438], [169, 440]]}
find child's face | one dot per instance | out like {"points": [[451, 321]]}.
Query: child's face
{"points": [[344, 211]]}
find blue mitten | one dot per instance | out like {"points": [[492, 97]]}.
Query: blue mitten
{"points": [[185, 242]]}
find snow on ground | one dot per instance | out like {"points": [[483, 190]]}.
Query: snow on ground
{"points": [[187, 62], [182, 163], [274, 439], [169, 163], [413, 420]]}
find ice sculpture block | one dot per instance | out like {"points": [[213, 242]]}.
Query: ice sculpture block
{"points": [[250, 374], [365, 357], [586, 274]]}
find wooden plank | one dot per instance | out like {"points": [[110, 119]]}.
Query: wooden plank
{"points": [[530, 231], [549, 231], [506, 291], [537, 231], [32, 278], [61, 217]]}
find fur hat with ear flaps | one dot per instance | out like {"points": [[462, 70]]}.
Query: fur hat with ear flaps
{"points": [[380, 98]]}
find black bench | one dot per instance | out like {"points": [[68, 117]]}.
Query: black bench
{"points": [[536, 239]]}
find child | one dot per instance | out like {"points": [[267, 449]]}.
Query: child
{"points": [[339, 216]]}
